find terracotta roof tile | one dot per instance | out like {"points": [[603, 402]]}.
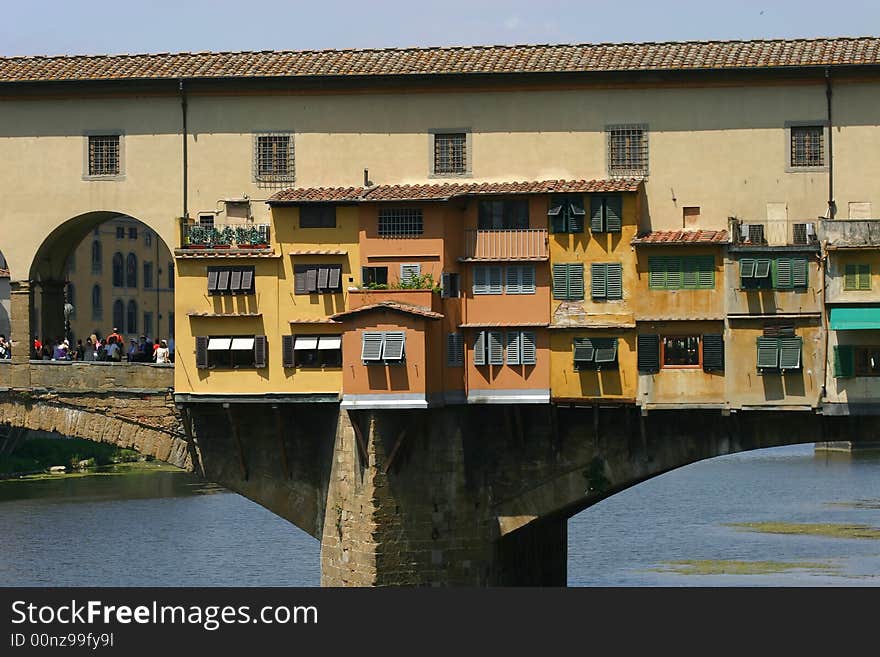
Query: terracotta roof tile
{"points": [[445, 191], [570, 58], [389, 305], [677, 237]]}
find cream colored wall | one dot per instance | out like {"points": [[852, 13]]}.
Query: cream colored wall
{"points": [[851, 389], [836, 277]]}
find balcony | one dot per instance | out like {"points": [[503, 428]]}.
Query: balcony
{"points": [[850, 233], [240, 236], [758, 233], [505, 244]]}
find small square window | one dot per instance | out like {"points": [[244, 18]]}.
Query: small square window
{"points": [[132, 232], [808, 146], [120, 232], [628, 150], [273, 158], [103, 156], [450, 153]]}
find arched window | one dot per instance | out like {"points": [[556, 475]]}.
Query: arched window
{"points": [[132, 323], [118, 313], [97, 303], [117, 270], [97, 257], [131, 271], [70, 295]]}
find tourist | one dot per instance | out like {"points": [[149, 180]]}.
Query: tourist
{"points": [[132, 354], [5, 351], [145, 350], [59, 351], [38, 349], [113, 351], [80, 352], [163, 355], [91, 352], [115, 334]]}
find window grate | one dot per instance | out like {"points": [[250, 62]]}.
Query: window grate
{"points": [[628, 150], [450, 153], [104, 155], [400, 222], [273, 158], [808, 146]]}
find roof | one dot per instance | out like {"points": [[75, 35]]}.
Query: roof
{"points": [[386, 62], [389, 305], [503, 324], [677, 237], [446, 191]]}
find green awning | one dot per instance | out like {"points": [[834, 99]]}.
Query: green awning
{"points": [[851, 319]]}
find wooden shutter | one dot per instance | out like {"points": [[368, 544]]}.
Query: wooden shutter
{"points": [[495, 280], [454, 349], [596, 223], [513, 277], [311, 280], [606, 350], [613, 214], [762, 267], [865, 276], [223, 280], [514, 347], [202, 352], [706, 273], [260, 351], [746, 268], [576, 281], [446, 285], [335, 278], [496, 347], [395, 345], [713, 352], [299, 280], [527, 279], [371, 346], [790, 353], [481, 285], [480, 348], [528, 348], [690, 277], [235, 281], [247, 280], [768, 353], [799, 272], [560, 281], [850, 280], [844, 360], [598, 281], [557, 217], [212, 280], [783, 273], [287, 350], [648, 357], [657, 273], [584, 352], [614, 280], [323, 278], [673, 273]]}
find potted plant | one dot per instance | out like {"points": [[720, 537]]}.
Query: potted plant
{"points": [[197, 237], [222, 238]]}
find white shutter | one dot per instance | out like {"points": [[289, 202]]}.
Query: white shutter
{"points": [[496, 348], [495, 284], [528, 348], [371, 346], [514, 347], [527, 279], [514, 280], [481, 285], [394, 345], [410, 271], [480, 348]]}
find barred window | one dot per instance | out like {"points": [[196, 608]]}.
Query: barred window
{"points": [[400, 222], [450, 152], [808, 146], [628, 150], [273, 158], [103, 155]]}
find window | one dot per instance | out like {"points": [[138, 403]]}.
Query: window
{"points": [[454, 349], [606, 281], [131, 271], [567, 214], [568, 281], [374, 276], [489, 348], [273, 158], [681, 273], [118, 270], [120, 232], [383, 347], [850, 360], [450, 285], [97, 303], [230, 280], [779, 353], [148, 275], [132, 317], [857, 276], [317, 279], [170, 275], [148, 238], [311, 350], [628, 150], [206, 220], [410, 274], [520, 279], [504, 214], [97, 257], [148, 324], [103, 155], [487, 279], [132, 232], [119, 314], [317, 216], [595, 353], [680, 351], [231, 352], [400, 222], [775, 273], [605, 214], [807, 146], [450, 153]]}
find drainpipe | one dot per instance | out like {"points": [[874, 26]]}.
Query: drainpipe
{"points": [[184, 132], [828, 93]]}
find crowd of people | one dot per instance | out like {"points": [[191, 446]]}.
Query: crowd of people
{"points": [[110, 349]]}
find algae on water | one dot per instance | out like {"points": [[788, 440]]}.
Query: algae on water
{"points": [[732, 567], [828, 530]]}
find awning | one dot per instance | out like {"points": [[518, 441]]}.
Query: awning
{"points": [[852, 319], [219, 344], [242, 344], [305, 342], [330, 342]]}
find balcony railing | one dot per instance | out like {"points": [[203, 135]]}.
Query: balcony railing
{"points": [[506, 244], [224, 236], [770, 232]]}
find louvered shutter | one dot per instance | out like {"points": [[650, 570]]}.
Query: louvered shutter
{"points": [[480, 348], [409, 272], [395, 343], [713, 352], [235, 281], [335, 278], [514, 343], [598, 281], [648, 357], [613, 214], [606, 350], [584, 352], [287, 351], [557, 218], [481, 285], [614, 280], [799, 272], [576, 281], [576, 214], [311, 280], [657, 273], [865, 276], [783, 273], [527, 279], [690, 278], [212, 280], [790, 353], [528, 348], [706, 273], [513, 276], [747, 268], [371, 347], [596, 223], [454, 349], [445, 285], [850, 281], [496, 347], [223, 280], [762, 267], [673, 273], [323, 278], [260, 351], [495, 278], [844, 360], [768, 353], [202, 352], [247, 280], [299, 280], [560, 281]]}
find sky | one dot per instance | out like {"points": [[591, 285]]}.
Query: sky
{"points": [[63, 27]]}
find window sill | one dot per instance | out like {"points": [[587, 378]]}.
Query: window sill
{"points": [[109, 177]]}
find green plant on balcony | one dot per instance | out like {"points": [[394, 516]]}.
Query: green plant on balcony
{"points": [[422, 282], [249, 236], [222, 237], [198, 235]]}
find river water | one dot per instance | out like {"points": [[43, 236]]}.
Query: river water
{"points": [[158, 527]]}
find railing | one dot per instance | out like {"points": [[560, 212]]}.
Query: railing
{"points": [[506, 244], [224, 236], [774, 232], [850, 232]]}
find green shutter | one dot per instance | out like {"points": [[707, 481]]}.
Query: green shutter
{"points": [[557, 217], [762, 267], [613, 214], [614, 280], [865, 276], [706, 273], [850, 280], [648, 356], [713, 352], [576, 214], [606, 350], [799, 272], [596, 223], [690, 266], [560, 281], [782, 274], [768, 353], [584, 351], [747, 268], [844, 360], [657, 273], [598, 281], [674, 275], [576, 281], [790, 353]]}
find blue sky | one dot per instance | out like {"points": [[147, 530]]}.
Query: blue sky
{"points": [[100, 26]]}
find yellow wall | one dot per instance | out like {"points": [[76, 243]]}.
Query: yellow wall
{"points": [[678, 304], [618, 383], [758, 302], [836, 270]]}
